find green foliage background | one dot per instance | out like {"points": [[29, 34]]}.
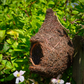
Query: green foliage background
{"points": [[21, 19]]}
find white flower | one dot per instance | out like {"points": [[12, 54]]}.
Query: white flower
{"points": [[68, 83], [57, 81], [53, 81], [19, 76], [32, 83], [61, 81]]}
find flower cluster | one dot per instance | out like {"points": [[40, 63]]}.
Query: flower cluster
{"points": [[58, 81], [20, 78]]}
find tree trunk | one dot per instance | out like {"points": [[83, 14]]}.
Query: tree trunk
{"points": [[78, 61]]}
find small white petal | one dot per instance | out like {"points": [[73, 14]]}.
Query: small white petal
{"points": [[32, 83], [68, 83], [22, 72], [53, 80], [15, 73], [21, 78], [61, 81], [17, 80]]}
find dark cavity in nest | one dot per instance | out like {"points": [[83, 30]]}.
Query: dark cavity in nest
{"points": [[36, 53]]}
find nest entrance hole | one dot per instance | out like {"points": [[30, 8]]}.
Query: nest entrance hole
{"points": [[36, 53]]}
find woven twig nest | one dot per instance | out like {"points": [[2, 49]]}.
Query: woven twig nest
{"points": [[51, 48]]}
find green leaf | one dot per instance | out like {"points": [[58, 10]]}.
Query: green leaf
{"points": [[1, 57], [20, 31], [15, 65], [75, 12], [15, 44], [60, 12], [2, 80], [8, 65], [13, 69], [67, 9], [7, 71], [3, 62], [18, 50], [43, 1], [2, 35], [23, 40], [10, 77], [51, 2], [19, 60], [9, 41], [81, 0], [14, 33], [83, 17], [5, 47], [1, 67], [4, 2]]}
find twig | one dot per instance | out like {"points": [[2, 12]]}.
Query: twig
{"points": [[61, 24], [32, 61], [24, 11], [10, 17], [31, 4]]}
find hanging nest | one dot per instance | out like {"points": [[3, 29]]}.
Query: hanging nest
{"points": [[51, 48]]}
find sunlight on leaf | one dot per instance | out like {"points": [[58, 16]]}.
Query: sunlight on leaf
{"points": [[2, 35], [1, 57]]}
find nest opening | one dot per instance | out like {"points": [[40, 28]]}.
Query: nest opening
{"points": [[36, 53]]}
